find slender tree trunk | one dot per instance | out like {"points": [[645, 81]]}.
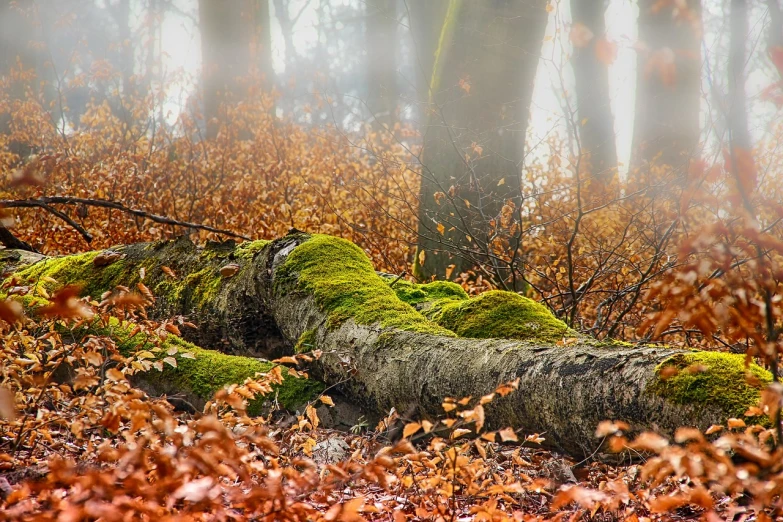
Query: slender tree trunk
{"points": [[596, 125], [666, 126], [15, 36], [287, 30], [738, 111], [321, 292], [482, 86], [235, 42], [121, 12], [425, 20], [20, 55], [381, 38], [775, 36]]}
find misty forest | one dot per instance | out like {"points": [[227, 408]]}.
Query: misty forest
{"points": [[389, 260]]}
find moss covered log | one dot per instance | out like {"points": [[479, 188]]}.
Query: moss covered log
{"points": [[316, 290], [398, 344], [184, 280]]}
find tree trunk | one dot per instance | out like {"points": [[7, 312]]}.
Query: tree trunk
{"points": [[380, 35], [235, 42], [482, 86], [775, 36], [666, 126], [738, 111], [25, 68], [425, 20], [321, 292], [596, 123]]}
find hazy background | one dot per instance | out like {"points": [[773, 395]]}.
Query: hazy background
{"points": [[320, 46]]}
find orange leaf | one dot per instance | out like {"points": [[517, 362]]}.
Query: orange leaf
{"points": [[776, 55], [585, 497], [605, 51], [580, 35], [7, 405], [410, 429], [649, 441], [66, 305], [610, 428], [10, 311]]}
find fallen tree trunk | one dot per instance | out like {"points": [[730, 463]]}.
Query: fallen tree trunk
{"points": [[306, 292]]}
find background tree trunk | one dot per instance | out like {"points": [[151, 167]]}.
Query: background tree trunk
{"points": [[666, 126], [380, 33], [21, 51], [321, 292], [738, 110], [596, 123], [425, 20], [482, 86], [235, 42], [775, 37]]}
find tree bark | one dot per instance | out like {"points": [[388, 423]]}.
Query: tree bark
{"points": [[666, 125], [235, 42], [19, 56], [321, 292], [380, 35], [738, 111], [596, 127], [425, 20], [480, 94]]}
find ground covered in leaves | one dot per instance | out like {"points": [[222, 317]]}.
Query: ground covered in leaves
{"points": [[79, 441]]}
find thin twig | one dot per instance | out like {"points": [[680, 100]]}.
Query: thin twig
{"points": [[44, 202]]}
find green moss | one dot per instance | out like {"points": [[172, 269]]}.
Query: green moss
{"points": [[414, 294], [249, 249], [714, 378], [79, 269], [306, 342], [197, 287], [208, 371], [499, 314], [204, 285], [341, 278]]}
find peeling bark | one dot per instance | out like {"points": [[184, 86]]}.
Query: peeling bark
{"points": [[309, 288]]}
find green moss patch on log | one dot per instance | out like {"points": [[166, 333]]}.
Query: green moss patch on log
{"points": [[249, 249], [341, 278], [414, 294], [199, 283], [499, 314], [306, 342], [204, 372], [713, 378]]}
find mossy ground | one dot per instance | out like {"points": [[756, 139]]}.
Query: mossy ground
{"points": [[208, 371], [499, 314], [711, 378], [341, 278]]}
